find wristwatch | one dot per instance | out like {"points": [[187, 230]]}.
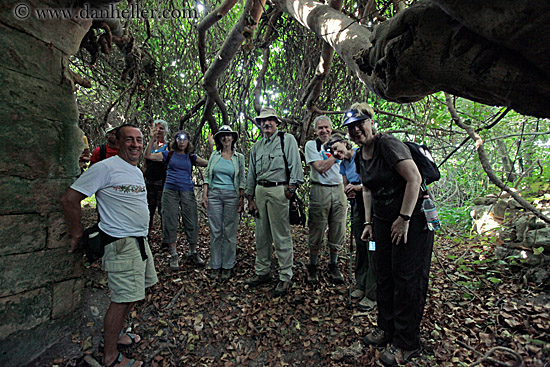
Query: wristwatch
{"points": [[405, 217]]}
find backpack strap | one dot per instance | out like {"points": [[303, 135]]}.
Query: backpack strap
{"points": [[319, 144], [282, 139], [357, 161], [102, 152]]}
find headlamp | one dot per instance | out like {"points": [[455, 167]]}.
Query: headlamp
{"points": [[353, 116], [181, 137]]}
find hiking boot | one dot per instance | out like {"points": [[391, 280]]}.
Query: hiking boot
{"points": [[196, 259], [281, 289], [312, 274], [174, 264], [257, 280], [226, 275], [214, 273], [366, 304], [377, 337], [357, 294], [392, 355], [334, 274]]}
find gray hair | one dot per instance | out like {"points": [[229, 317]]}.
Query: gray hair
{"points": [[322, 117], [163, 123]]}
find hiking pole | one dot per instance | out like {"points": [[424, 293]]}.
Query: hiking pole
{"points": [[350, 304]]}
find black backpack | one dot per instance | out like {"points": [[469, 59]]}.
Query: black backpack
{"points": [[424, 160], [102, 152], [296, 208], [421, 156]]}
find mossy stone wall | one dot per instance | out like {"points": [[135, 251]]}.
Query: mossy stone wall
{"points": [[40, 285]]}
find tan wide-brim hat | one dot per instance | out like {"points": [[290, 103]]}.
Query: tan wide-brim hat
{"points": [[225, 129], [266, 112]]}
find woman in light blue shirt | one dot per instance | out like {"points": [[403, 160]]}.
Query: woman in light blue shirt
{"points": [[223, 198]]}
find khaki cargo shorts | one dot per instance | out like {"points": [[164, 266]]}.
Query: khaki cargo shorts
{"points": [[127, 274]]}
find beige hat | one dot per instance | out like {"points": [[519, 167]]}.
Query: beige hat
{"points": [[266, 112], [109, 129], [225, 129]]}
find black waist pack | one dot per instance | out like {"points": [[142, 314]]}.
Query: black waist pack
{"points": [[296, 211], [95, 240]]}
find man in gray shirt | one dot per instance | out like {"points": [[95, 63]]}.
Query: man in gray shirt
{"points": [[268, 189]]}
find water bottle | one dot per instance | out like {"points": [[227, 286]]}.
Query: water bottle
{"points": [[431, 213]]}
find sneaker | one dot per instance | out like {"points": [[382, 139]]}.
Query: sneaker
{"points": [[366, 304], [196, 259], [377, 337], [226, 275], [281, 289], [357, 294], [214, 273], [257, 280], [335, 275], [174, 264], [312, 274], [392, 355]]}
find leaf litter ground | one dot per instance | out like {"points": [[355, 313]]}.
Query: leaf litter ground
{"points": [[188, 319]]}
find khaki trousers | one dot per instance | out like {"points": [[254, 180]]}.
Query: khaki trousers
{"points": [[327, 207], [273, 228]]}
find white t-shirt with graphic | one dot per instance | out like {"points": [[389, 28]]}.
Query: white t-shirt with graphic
{"points": [[330, 177], [121, 197]]}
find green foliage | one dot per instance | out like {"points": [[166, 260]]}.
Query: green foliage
{"points": [[89, 201], [166, 79], [455, 218]]}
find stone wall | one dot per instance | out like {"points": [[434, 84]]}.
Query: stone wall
{"points": [[520, 233], [40, 284]]}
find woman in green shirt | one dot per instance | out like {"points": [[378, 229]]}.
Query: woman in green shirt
{"points": [[223, 198]]}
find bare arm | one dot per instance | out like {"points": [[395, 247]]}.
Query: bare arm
{"points": [[324, 165], [408, 170], [157, 157], [201, 162], [72, 212], [205, 196], [367, 201]]}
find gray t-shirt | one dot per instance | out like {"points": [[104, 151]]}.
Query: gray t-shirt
{"points": [[121, 197]]}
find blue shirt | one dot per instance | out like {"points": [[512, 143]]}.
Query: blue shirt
{"points": [[179, 170], [223, 175], [347, 168]]}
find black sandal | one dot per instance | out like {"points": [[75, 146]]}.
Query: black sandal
{"points": [[120, 345]]}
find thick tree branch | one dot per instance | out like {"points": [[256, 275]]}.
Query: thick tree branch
{"points": [[423, 50], [208, 22], [245, 25], [485, 160], [267, 39], [313, 90]]}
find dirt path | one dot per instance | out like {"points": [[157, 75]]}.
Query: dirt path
{"points": [[475, 304]]}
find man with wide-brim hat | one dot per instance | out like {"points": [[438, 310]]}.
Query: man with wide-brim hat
{"points": [[269, 189], [265, 113]]}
